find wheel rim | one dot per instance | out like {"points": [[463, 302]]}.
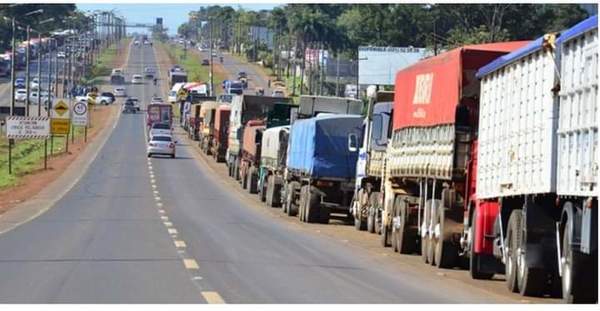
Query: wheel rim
{"points": [[566, 261], [520, 263]]}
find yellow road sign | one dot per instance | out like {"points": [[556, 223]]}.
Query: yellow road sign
{"points": [[59, 126], [182, 93], [61, 110]]}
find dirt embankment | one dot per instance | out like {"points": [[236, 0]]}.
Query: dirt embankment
{"points": [[31, 184]]}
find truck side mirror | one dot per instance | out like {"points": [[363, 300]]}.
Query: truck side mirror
{"points": [[352, 143]]}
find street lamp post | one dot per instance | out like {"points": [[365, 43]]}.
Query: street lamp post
{"points": [[12, 71], [27, 82]]}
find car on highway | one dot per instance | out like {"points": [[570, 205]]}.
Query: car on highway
{"points": [[160, 128], [61, 55], [214, 53], [161, 144], [242, 74], [136, 43], [120, 92], [20, 95], [34, 84], [156, 100], [20, 83], [106, 98], [129, 107], [235, 87], [205, 62], [33, 98], [172, 96], [134, 102], [149, 72], [137, 79]]}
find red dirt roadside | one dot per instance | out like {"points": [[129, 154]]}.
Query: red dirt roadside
{"points": [[31, 184]]}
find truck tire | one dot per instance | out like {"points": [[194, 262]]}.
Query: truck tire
{"points": [[273, 192], [474, 259], [291, 208], [378, 221], [316, 213], [373, 206], [244, 180], [580, 271], [425, 247], [385, 236], [252, 180], [302, 204], [512, 244], [405, 237], [531, 281], [446, 253]]}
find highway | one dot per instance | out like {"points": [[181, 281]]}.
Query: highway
{"points": [[161, 230]]}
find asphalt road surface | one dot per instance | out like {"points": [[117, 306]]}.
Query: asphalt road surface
{"points": [[161, 230]]}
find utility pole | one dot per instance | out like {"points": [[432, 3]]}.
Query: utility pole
{"points": [[39, 74], [337, 75], [211, 56], [12, 71], [27, 82]]}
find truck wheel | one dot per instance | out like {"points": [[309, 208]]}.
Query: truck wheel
{"points": [[405, 236], [512, 243], [475, 259], [273, 192], [425, 236], [385, 236], [252, 180], [359, 224], [243, 178], [370, 220], [531, 281], [316, 212], [291, 208], [373, 205], [378, 221], [446, 253], [302, 204]]}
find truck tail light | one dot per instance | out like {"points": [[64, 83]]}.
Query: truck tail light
{"points": [[321, 183]]}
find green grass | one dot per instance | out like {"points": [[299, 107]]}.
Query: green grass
{"points": [[27, 156], [192, 63], [105, 60]]}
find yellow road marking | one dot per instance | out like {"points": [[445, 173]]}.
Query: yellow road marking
{"points": [[213, 297], [190, 264], [179, 244], [168, 224], [172, 231]]}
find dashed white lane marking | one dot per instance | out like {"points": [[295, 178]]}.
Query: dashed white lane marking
{"points": [[164, 218], [190, 264], [153, 186], [157, 198], [162, 211], [152, 180], [159, 204], [197, 278], [172, 231], [213, 297], [179, 244], [155, 191], [168, 224]]}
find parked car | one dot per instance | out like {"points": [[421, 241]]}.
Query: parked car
{"points": [[20, 95], [205, 62], [161, 144], [137, 79], [120, 92], [20, 83], [106, 98], [149, 72]]}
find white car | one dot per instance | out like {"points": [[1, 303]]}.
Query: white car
{"points": [[161, 144], [61, 55], [20, 95], [120, 92], [160, 129], [33, 98], [34, 84], [137, 79], [136, 42], [172, 96]]}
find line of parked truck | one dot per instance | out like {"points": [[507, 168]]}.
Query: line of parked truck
{"points": [[483, 157]]}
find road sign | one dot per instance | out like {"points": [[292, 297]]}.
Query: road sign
{"points": [[60, 110], [60, 126], [27, 127], [182, 94], [80, 114]]}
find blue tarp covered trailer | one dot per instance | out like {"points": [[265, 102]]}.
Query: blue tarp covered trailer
{"points": [[318, 146]]}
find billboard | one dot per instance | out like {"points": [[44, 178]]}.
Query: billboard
{"points": [[378, 65]]}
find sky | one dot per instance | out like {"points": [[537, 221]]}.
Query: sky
{"points": [[173, 14]]}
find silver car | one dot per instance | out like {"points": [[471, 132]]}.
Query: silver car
{"points": [[161, 144]]}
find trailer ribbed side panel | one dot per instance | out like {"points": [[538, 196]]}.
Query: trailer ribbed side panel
{"points": [[578, 116], [517, 121]]}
